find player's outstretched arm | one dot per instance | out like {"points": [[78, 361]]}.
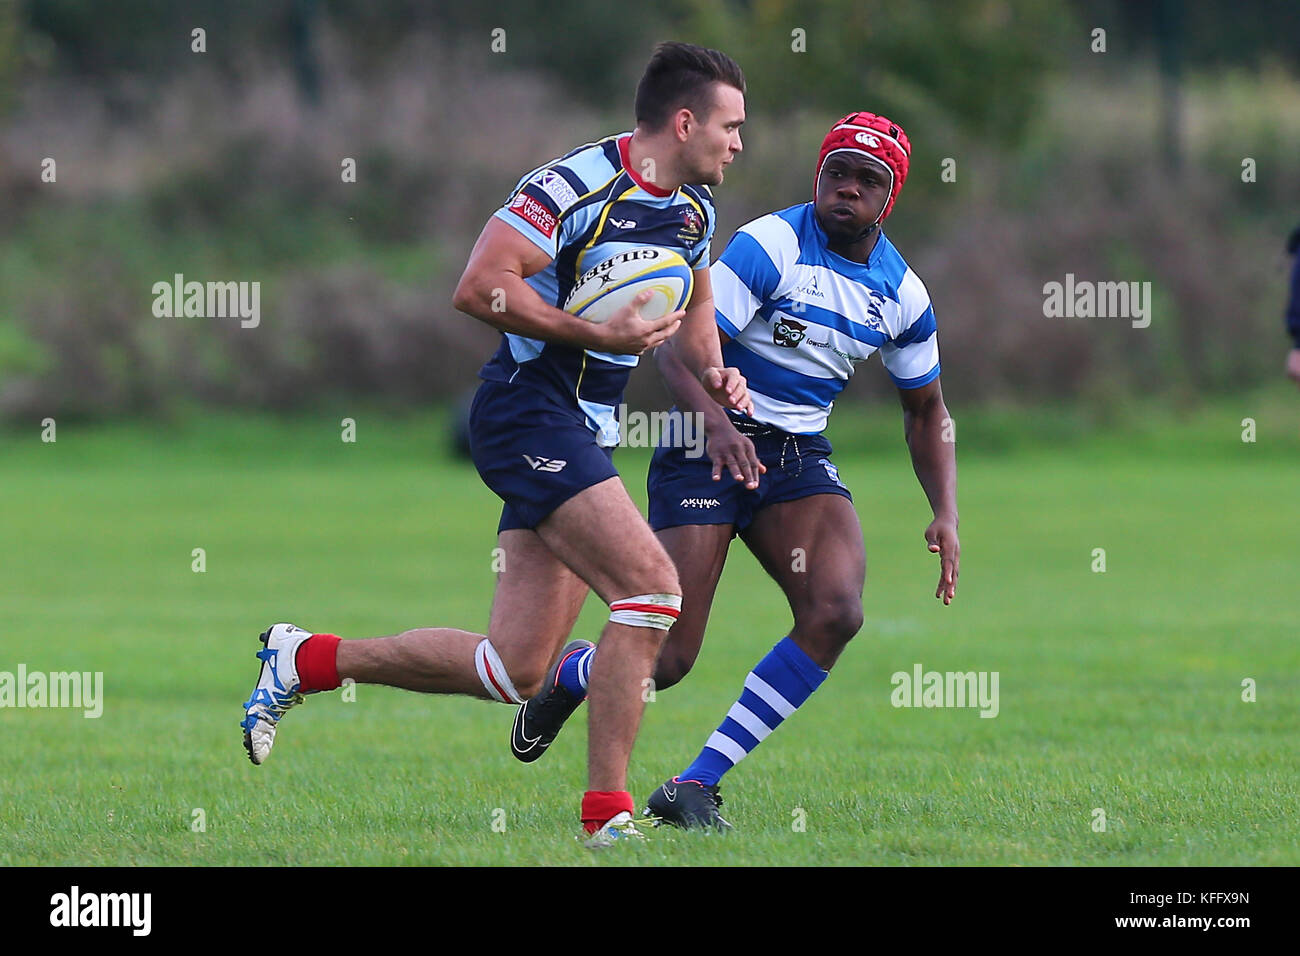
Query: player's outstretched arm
{"points": [[928, 430], [492, 289], [728, 449]]}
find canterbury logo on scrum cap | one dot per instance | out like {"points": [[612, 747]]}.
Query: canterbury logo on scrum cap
{"points": [[871, 137]]}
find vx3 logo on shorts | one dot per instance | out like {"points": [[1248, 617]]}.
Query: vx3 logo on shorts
{"points": [[545, 464]]}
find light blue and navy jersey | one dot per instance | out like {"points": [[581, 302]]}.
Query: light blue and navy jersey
{"points": [[581, 209], [819, 315]]}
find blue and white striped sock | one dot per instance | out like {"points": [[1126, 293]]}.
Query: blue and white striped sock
{"points": [[774, 690], [575, 670]]}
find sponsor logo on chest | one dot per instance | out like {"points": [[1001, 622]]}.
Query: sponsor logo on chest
{"points": [[789, 334]]}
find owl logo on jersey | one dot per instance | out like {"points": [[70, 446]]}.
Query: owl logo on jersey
{"points": [[788, 333]]}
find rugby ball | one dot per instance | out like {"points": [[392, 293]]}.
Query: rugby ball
{"points": [[608, 287]]}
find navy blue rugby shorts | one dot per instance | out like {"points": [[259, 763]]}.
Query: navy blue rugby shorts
{"points": [[682, 490], [533, 451]]}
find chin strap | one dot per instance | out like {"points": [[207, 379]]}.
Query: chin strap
{"points": [[865, 232]]}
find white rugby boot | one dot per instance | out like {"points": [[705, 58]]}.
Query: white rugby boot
{"points": [[276, 691]]}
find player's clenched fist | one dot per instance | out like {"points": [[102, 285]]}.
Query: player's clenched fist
{"points": [[626, 333]]}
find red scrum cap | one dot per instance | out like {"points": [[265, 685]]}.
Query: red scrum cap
{"points": [[875, 137]]}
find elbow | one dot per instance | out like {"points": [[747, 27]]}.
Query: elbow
{"points": [[465, 298], [929, 417], [931, 413]]}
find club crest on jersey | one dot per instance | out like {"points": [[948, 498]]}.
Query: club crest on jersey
{"points": [[788, 333], [875, 318], [692, 227]]}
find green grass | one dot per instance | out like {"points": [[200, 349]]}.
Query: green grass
{"points": [[1119, 691]]}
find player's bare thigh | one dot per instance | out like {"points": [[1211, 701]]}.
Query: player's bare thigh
{"points": [[596, 538], [537, 600], [603, 538], [813, 548], [699, 552]]}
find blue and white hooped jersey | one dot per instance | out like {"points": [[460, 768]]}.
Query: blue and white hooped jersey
{"points": [[819, 315], [581, 209]]}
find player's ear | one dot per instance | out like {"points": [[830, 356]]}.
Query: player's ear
{"points": [[683, 123]]}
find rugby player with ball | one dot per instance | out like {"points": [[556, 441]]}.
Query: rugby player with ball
{"points": [[803, 296], [618, 230]]}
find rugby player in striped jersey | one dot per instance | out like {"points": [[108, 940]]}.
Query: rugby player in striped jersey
{"points": [[802, 296]]}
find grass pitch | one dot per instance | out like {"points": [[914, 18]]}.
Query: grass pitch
{"points": [[1120, 691]]}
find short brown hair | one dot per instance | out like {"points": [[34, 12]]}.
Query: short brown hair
{"points": [[682, 75]]}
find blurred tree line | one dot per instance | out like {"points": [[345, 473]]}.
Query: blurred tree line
{"points": [[227, 166], [978, 57]]}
